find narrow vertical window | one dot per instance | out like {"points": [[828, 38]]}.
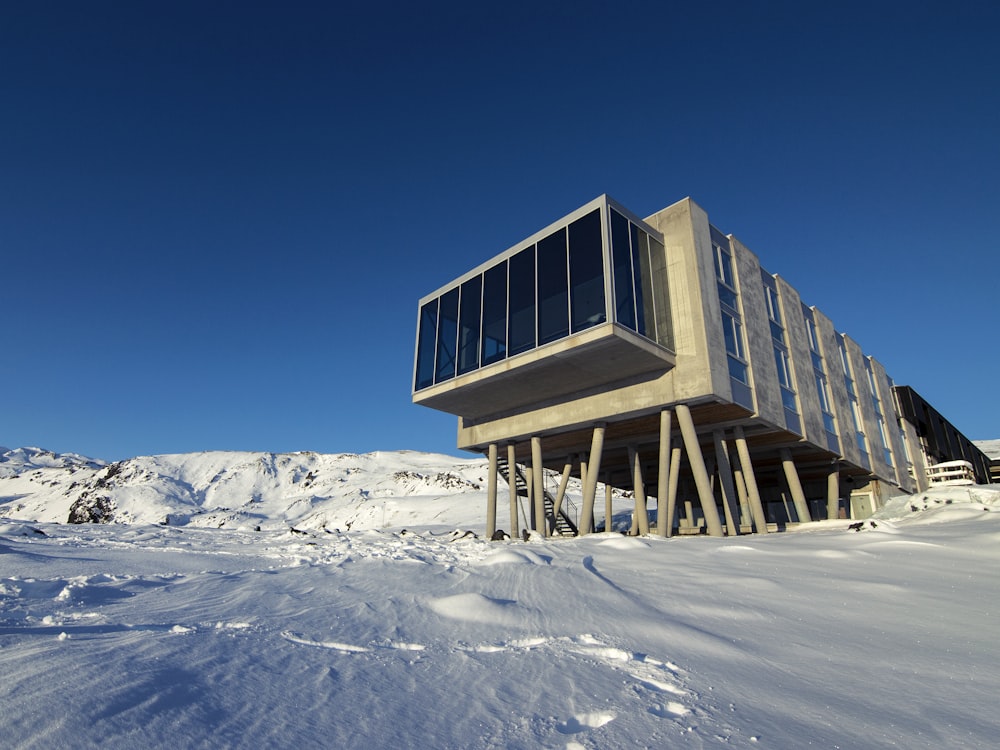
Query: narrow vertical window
{"points": [[553, 288], [469, 323], [494, 339], [586, 272], [426, 336], [521, 308], [447, 339], [621, 258]]}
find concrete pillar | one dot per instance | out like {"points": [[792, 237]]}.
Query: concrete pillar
{"points": [[563, 483], [609, 512], [833, 493], [756, 506], [741, 491], [639, 490], [794, 486], [538, 484], [726, 481], [663, 475], [697, 461], [512, 483], [590, 485], [491, 493], [673, 479]]}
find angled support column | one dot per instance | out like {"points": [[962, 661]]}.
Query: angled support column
{"points": [[756, 506], [726, 480], [833, 493], [512, 484], [746, 519], [491, 493], [663, 522], [590, 484], [563, 483], [794, 486], [672, 482], [538, 485], [639, 490], [697, 461]]}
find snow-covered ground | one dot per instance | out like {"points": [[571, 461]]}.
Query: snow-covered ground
{"points": [[168, 631]]}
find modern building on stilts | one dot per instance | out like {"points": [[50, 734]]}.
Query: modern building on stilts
{"points": [[658, 356]]}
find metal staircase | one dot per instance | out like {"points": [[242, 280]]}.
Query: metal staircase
{"points": [[558, 524]]}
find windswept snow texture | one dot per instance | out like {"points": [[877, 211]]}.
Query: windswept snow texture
{"points": [[182, 636]]}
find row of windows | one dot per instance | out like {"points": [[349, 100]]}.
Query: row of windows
{"points": [[732, 323], [544, 292], [781, 359]]}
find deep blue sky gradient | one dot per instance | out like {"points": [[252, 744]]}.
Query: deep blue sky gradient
{"points": [[216, 218]]}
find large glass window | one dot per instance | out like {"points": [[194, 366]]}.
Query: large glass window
{"points": [[553, 288], [469, 321], [622, 262], [661, 293], [447, 336], [586, 272], [521, 306], [494, 344], [544, 292], [426, 337]]}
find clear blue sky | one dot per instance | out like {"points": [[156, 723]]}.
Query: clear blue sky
{"points": [[216, 218]]}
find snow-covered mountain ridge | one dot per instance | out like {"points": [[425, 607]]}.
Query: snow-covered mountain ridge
{"points": [[243, 489]]}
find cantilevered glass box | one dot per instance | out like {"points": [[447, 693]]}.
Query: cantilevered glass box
{"points": [[579, 305]]}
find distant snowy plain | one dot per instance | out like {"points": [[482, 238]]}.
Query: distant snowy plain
{"points": [[310, 601]]}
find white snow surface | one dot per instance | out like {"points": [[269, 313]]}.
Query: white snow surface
{"points": [[404, 631]]}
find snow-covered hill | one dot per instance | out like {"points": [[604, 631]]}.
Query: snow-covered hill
{"points": [[246, 490]]}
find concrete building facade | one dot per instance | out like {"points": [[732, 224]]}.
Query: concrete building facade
{"points": [[659, 356]]}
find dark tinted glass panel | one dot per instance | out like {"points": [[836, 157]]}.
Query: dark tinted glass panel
{"points": [[494, 314], [586, 271], [661, 293], [638, 250], [645, 284], [622, 263], [468, 331], [553, 288], [447, 336], [425, 344], [521, 320]]}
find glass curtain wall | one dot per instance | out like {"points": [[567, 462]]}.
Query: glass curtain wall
{"points": [[544, 292]]}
